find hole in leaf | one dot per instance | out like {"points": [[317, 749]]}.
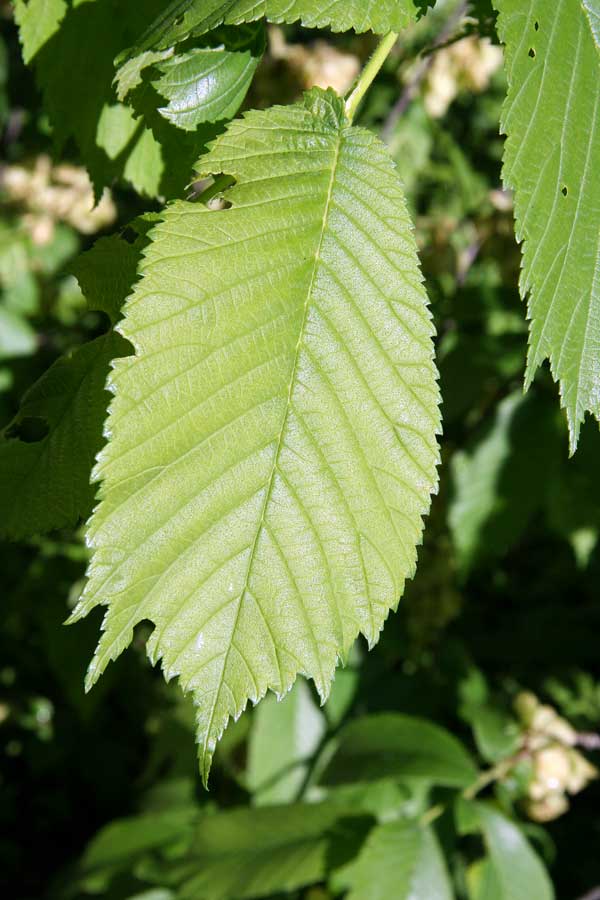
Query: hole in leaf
{"points": [[30, 429], [218, 203], [564, 190], [532, 52], [536, 25]]}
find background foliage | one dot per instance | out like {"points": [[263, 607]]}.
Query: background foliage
{"points": [[101, 795]]}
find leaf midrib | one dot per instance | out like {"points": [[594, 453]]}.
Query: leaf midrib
{"points": [[271, 479]]}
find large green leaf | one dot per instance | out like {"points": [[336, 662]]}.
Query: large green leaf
{"points": [[183, 18], [390, 745], [400, 860], [552, 158], [273, 442], [257, 852]]}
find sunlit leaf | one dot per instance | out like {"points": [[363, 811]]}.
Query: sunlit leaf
{"points": [[273, 441], [553, 68]]}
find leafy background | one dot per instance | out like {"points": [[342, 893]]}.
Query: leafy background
{"points": [[503, 599]]}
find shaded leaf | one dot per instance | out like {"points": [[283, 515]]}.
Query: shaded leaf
{"points": [[496, 482], [45, 483], [249, 853], [119, 846], [106, 274], [390, 745], [81, 102], [38, 20], [284, 736]]}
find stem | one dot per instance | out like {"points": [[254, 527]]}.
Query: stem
{"points": [[369, 73], [490, 775]]}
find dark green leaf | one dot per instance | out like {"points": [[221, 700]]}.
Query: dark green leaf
{"points": [[398, 746], [45, 481]]}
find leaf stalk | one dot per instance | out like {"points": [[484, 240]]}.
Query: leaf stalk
{"points": [[369, 73]]}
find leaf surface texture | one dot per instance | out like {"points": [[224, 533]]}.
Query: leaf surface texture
{"points": [[552, 159], [184, 18], [273, 441]]}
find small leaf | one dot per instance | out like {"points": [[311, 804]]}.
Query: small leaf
{"points": [[390, 745], [207, 84], [400, 860], [553, 68], [273, 442], [496, 734]]}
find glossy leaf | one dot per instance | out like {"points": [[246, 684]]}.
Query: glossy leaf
{"points": [[207, 84], [390, 745], [553, 68], [273, 441]]}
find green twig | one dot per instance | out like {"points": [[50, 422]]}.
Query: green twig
{"points": [[369, 73]]}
